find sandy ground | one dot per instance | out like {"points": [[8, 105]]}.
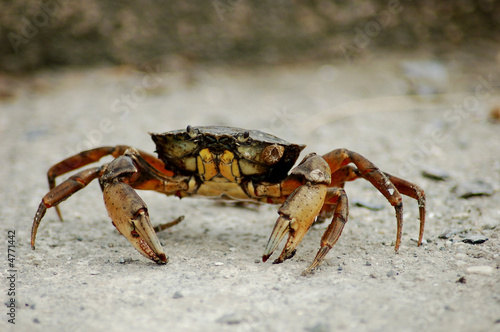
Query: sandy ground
{"points": [[404, 113]]}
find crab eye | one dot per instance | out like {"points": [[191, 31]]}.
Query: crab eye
{"points": [[192, 132], [244, 137], [272, 154]]}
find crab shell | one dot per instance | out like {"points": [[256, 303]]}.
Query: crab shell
{"points": [[260, 156]]}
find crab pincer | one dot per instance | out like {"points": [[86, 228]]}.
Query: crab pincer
{"points": [[301, 207]]}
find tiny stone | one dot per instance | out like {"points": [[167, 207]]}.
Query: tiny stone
{"points": [[435, 174], [461, 280], [368, 263], [257, 261], [368, 205], [218, 263], [36, 321], [391, 273], [475, 239], [320, 327], [230, 319], [449, 232], [476, 188], [481, 269], [177, 295], [414, 239]]}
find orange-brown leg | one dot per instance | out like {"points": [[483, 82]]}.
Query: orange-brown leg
{"points": [[62, 192], [90, 156], [409, 189], [126, 209], [337, 198], [391, 187], [339, 177]]}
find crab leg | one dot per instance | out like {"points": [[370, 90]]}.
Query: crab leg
{"points": [[338, 198], [413, 191], [90, 156], [61, 193], [341, 157]]}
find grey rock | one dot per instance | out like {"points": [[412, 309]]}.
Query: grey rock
{"points": [[475, 188], [449, 232], [368, 205], [435, 173], [475, 239]]}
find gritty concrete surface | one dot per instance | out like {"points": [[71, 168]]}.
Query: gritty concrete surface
{"points": [[405, 113]]}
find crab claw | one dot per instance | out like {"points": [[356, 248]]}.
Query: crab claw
{"points": [[297, 215], [130, 217]]}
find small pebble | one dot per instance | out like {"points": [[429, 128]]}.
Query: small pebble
{"points": [[475, 239], [368, 205], [449, 232], [435, 174], [231, 319], [218, 263], [480, 269], [414, 239], [392, 273], [320, 327], [476, 188], [177, 295], [495, 114], [461, 280]]}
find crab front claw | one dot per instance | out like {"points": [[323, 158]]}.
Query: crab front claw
{"points": [[130, 217], [297, 215]]}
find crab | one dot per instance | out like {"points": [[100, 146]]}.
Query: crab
{"points": [[228, 163]]}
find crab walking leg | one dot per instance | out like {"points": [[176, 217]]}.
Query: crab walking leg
{"points": [[413, 191], [90, 156], [338, 197], [129, 215], [341, 157], [339, 178], [61, 193]]}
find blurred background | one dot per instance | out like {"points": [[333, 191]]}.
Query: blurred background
{"points": [[54, 33], [412, 85]]}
